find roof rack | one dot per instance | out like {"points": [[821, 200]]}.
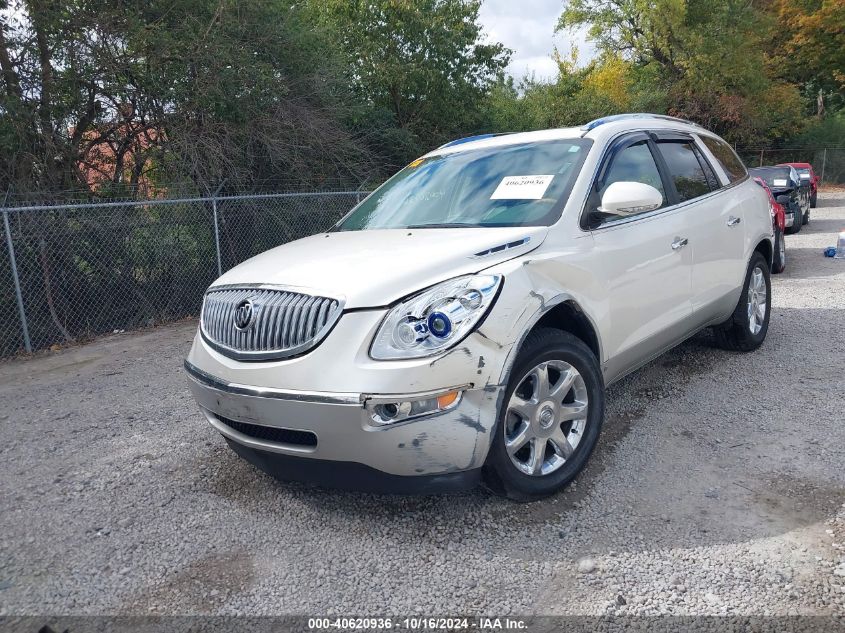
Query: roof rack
{"points": [[468, 139], [633, 115]]}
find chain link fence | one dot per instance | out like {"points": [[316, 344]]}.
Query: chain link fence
{"points": [[828, 162], [70, 272]]}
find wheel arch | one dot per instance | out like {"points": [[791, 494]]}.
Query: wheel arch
{"points": [[562, 313], [570, 317], [766, 249]]}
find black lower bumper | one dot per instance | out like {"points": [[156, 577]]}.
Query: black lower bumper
{"points": [[353, 476]]}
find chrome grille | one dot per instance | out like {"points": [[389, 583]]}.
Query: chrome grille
{"points": [[282, 323]]}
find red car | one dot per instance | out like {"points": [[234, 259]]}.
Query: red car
{"points": [[779, 226], [806, 171]]}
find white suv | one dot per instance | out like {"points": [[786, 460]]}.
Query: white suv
{"points": [[463, 320]]}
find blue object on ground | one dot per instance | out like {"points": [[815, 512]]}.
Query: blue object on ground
{"points": [[830, 251]]}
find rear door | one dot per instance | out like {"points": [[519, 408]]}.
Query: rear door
{"points": [[644, 258], [714, 219]]}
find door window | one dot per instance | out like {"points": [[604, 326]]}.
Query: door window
{"points": [[685, 170], [708, 171], [631, 164]]}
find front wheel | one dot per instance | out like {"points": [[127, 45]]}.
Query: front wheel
{"points": [[746, 330], [779, 258], [550, 417], [813, 200]]}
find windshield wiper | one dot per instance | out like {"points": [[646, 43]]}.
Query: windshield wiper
{"points": [[444, 225]]}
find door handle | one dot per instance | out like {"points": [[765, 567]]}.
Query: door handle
{"points": [[733, 221], [679, 242]]}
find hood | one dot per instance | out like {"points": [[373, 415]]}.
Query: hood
{"points": [[377, 267]]}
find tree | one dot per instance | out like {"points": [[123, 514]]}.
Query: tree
{"points": [[642, 31], [420, 64], [199, 90], [810, 43], [707, 56]]}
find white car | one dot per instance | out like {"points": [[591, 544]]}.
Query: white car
{"points": [[462, 322]]}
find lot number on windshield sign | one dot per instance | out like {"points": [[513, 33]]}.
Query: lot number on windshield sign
{"points": [[522, 188]]}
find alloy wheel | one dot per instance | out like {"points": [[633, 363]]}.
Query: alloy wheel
{"points": [[546, 417], [757, 300]]}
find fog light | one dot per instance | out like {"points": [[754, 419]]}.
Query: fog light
{"points": [[383, 413]]}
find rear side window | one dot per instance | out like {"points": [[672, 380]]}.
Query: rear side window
{"points": [[727, 158], [685, 169]]}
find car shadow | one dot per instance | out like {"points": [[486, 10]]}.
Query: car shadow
{"points": [[825, 202], [822, 225]]}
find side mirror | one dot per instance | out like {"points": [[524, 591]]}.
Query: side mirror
{"points": [[630, 198]]}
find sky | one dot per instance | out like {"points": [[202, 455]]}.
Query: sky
{"points": [[527, 27]]}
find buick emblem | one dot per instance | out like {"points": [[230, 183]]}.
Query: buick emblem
{"points": [[243, 314]]}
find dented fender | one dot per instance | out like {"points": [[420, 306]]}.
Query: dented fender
{"points": [[533, 288]]}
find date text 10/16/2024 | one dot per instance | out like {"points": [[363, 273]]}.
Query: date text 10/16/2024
{"points": [[417, 623]]}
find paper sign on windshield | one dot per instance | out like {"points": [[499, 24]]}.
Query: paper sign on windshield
{"points": [[779, 182], [522, 187]]}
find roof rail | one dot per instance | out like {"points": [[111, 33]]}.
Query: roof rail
{"points": [[468, 139], [633, 115]]}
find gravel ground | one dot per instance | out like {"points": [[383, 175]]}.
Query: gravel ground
{"points": [[717, 488]]}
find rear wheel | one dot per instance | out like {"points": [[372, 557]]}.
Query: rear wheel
{"points": [[550, 418], [746, 330], [779, 257]]}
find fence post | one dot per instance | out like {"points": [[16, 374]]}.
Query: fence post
{"points": [[217, 226], [358, 192], [761, 157], [216, 235], [824, 161], [26, 342]]}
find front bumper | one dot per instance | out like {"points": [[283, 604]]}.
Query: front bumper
{"points": [[353, 476], [329, 438]]}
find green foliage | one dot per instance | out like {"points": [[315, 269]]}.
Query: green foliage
{"points": [[421, 61], [812, 33], [829, 132], [714, 60], [609, 85]]}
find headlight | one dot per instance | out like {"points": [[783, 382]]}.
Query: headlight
{"points": [[435, 319]]}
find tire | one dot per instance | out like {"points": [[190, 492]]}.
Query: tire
{"points": [[779, 257], [806, 218], [813, 200], [542, 417], [738, 333]]}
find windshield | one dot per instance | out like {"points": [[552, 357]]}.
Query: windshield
{"points": [[512, 185]]}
